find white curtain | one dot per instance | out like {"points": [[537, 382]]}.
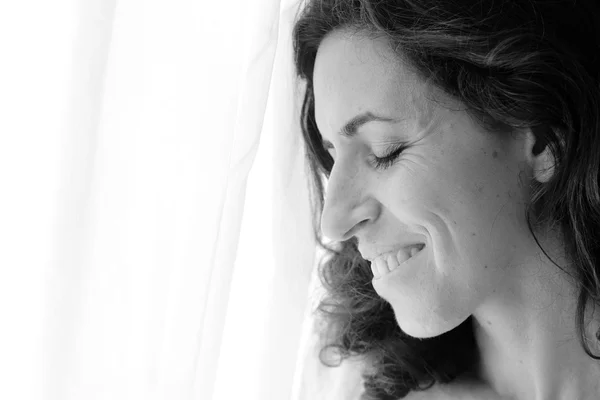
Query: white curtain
{"points": [[155, 238]]}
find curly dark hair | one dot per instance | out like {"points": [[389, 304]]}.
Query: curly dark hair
{"points": [[514, 64]]}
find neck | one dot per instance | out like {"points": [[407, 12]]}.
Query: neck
{"points": [[527, 337]]}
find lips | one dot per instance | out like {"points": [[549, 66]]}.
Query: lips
{"points": [[386, 263]]}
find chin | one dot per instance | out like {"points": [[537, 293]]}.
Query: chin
{"points": [[422, 330], [419, 333]]}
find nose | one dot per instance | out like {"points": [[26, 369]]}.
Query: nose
{"points": [[347, 207]]}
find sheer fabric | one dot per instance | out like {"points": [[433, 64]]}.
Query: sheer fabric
{"points": [[154, 217]]}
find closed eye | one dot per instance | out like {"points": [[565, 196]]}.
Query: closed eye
{"points": [[391, 155], [381, 163]]}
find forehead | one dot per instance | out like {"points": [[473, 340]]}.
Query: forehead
{"points": [[355, 73]]}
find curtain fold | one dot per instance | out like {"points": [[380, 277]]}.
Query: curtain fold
{"points": [[155, 226], [276, 252]]}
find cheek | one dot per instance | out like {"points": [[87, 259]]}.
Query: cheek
{"points": [[471, 214], [473, 197], [491, 226]]}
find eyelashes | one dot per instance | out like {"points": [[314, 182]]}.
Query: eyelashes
{"points": [[388, 160], [392, 153]]}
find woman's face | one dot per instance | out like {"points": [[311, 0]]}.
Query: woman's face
{"points": [[457, 188]]}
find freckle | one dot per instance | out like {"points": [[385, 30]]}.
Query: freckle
{"points": [[480, 188], [485, 266], [489, 322], [473, 234], [495, 154], [497, 196]]}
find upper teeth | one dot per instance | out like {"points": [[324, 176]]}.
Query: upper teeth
{"points": [[388, 262]]}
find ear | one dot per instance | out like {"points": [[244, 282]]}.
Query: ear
{"points": [[538, 155]]}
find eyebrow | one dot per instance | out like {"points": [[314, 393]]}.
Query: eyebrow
{"points": [[350, 129]]}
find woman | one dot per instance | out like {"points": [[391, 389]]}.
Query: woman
{"points": [[460, 145]]}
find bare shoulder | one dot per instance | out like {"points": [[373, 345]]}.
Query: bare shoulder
{"points": [[463, 390]]}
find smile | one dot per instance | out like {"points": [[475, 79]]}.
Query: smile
{"points": [[387, 263]]}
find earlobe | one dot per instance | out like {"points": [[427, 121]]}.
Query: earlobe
{"points": [[541, 159], [544, 166]]}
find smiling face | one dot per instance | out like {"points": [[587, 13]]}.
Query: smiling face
{"points": [[455, 187]]}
